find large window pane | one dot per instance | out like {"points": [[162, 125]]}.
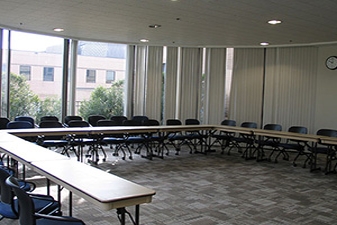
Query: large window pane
{"points": [[99, 79], [36, 75]]}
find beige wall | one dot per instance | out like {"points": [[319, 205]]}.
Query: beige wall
{"points": [[38, 60]]}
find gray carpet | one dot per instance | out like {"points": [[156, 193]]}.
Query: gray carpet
{"points": [[211, 189]]}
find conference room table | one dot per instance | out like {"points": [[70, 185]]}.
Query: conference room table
{"points": [[103, 189]]}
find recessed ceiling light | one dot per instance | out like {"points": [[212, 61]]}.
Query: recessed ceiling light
{"points": [[264, 43], [155, 26], [274, 22], [144, 40], [58, 29]]}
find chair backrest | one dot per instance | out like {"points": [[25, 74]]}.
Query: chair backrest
{"points": [[151, 122], [118, 119], [6, 195], [19, 125], [228, 123], [192, 122], [50, 124], [25, 118], [78, 123], [69, 118], [132, 123], [249, 124], [3, 122], [49, 118], [327, 132], [106, 123], [92, 119], [298, 129], [271, 126], [140, 118], [26, 212], [173, 122]]}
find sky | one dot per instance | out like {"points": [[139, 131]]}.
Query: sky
{"points": [[31, 42]]}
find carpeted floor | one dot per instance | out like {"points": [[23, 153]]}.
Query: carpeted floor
{"points": [[211, 189]]}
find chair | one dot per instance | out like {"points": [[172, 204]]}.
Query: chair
{"points": [[176, 138], [8, 205], [67, 119], [52, 141], [328, 150], [247, 140], [156, 140], [116, 140], [26, 118], [140, 119], [22, 125], [297, 145], [87, 140], [3, 122], [27, 207], [118, 120], [92, 119], [224, 138], [49, 118], [139, 139], [195, 137], [266, 142]]}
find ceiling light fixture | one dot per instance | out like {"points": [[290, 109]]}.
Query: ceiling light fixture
{"points": [[274, 22], [58, 29], [155, 26], [144, 40], [264, 43]]}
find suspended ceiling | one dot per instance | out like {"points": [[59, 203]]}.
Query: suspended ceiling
{"points": [[212, 23]]}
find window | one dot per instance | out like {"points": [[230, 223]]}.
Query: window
{"points": [[91, 76], [110, 76], [48, 73], [25, 71]]}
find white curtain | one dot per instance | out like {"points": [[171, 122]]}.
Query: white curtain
{"points": [[291, 75], [170, 88], [139, 80], [190, 83], [128, 85], [214, 99], [154, 79], [247, 86]]}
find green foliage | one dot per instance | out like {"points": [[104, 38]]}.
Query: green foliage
{"points": [[24, 102], [104, 101]]}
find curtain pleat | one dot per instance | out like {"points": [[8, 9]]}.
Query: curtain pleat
{"points": [[128, 85], [170, 88], [247, 86], [154, 79], [190, 83], [215, 85], [291, 75], [140, 81]]}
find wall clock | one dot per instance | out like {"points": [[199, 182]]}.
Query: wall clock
{"points": [[331, 62]]}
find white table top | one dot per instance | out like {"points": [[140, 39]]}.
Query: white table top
{"points": [[94, 185], [26, 152]]}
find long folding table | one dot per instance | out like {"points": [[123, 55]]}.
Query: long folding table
{"points": [[103, 189]]}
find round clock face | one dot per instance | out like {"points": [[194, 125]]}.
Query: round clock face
{"points": [[331, 62]]}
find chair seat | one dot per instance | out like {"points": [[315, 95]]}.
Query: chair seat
{"points": [[6, 211]]}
